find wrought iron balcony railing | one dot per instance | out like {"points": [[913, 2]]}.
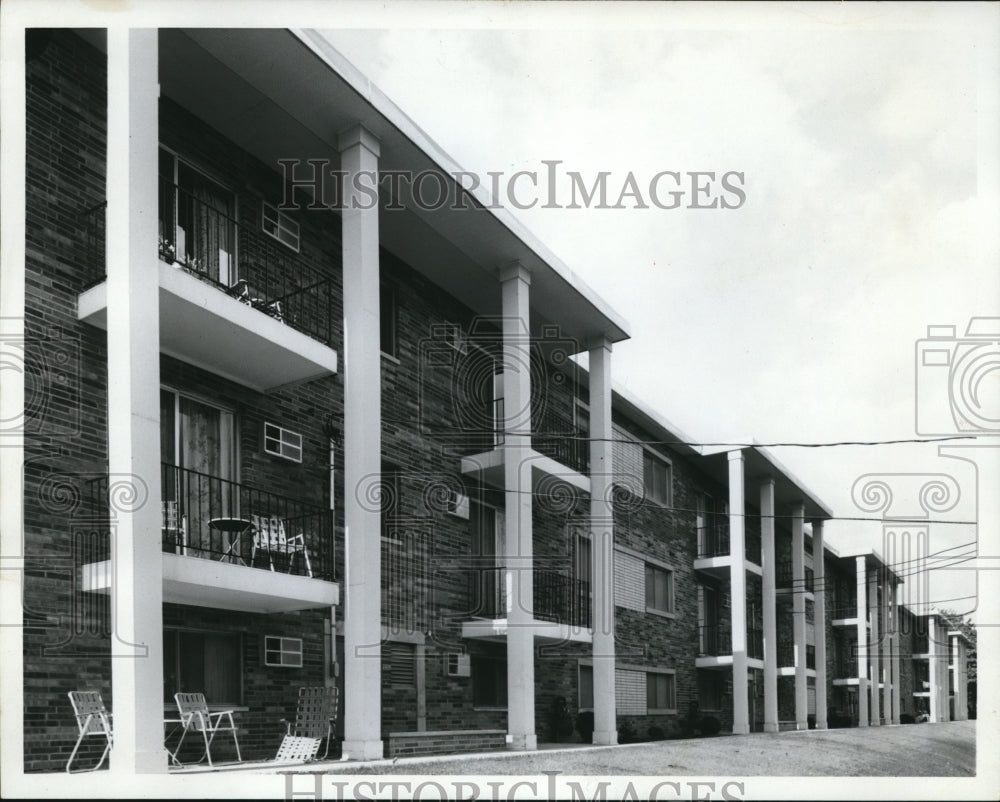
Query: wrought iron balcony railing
{"points": [[193, 504], [236, 259], [755, 643], [713, 538], [559, 437], [556, 597], [846, 668], [712, 641], [810, 656]]}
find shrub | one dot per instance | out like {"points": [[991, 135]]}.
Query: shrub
{"points": [[627, 733], [585, 726], [656, 733], [710, 725], [907, 718]]}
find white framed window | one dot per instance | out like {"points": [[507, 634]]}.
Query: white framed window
{"points": [[459, 665], [659, 589], [660, 692], [656, 477], [283, 652], [279, 225], [282, 442]]}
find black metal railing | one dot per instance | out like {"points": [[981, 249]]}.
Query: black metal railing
{"points": [[557, 436], [783, 574], [207, 517], [809, 584], [556, 596], [843, 609], [786, 654], [713, 537], [810, 656], [712, 641], [238, 260], [846, 667], [93, 223], [755, 643]]}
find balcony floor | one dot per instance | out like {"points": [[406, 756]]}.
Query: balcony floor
{"points": [[224, 586], [204, 326], [489, 466], [496, 630]]}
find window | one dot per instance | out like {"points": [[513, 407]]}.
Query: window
{"points": [[660, 692], [586, 688], [489, 680], [197, 435], [388, 336], [282, 442], [659, 589], [285, 652], [280, 226], [197, 227], [655, 478], [203, 662]]}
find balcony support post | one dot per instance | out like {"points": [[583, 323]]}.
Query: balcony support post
{"points": [[799, 617], [133, 403], [359, 155], [874, 647], [885, 647], [738, 592], [770, 614], [819, 609], [515, 282], [896, 710], [602, 551], [861, 583]]}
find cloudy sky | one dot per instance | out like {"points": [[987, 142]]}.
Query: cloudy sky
{"points": [[866, 137]]}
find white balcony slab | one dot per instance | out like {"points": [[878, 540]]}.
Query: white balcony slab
{"points": [[718, 661], [496, 630], [489, 467], [209, 583], [204, 326]]}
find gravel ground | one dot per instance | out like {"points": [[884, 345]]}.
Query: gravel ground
{"points": [[913, 750]]}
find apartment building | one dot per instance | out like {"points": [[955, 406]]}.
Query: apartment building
{"points": [[279, 441]]}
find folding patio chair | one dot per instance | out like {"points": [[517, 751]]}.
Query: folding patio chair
{"points": [[314, 718], [174, 528], [92, 718], [194, 715], [269, 535]]}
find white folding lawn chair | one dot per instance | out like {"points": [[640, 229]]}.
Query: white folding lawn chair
{"points": [[269, 535], [314, 717], [194, 714], [92, 718]]}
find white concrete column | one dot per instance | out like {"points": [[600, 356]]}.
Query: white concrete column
{"points": [[738, 592], [602, 535], [515, 284], [819, 608], [134, 400], [874, 647], [359, 155], [770, 616], [885, 648], [861, 583], [896, 709], [799, 617], [933, 670]]}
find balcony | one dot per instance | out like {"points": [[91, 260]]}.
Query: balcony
{"points": [[843, 610], [214, 556], [784, 579], [712, 641], [755, 644], [232, 300], [845, 668], [713, 540], [561, 604]]}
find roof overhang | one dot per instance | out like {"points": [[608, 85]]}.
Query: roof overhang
{"points": [[288, 94]]}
